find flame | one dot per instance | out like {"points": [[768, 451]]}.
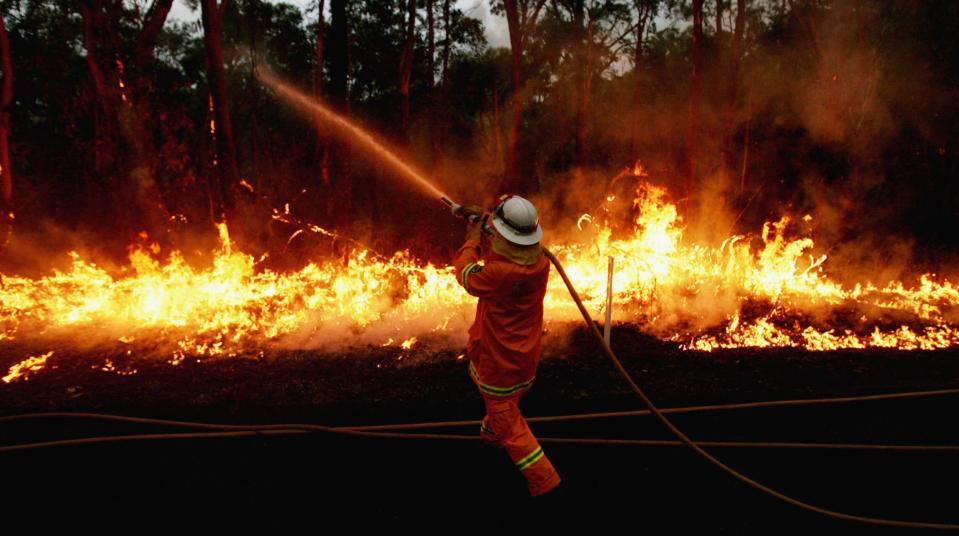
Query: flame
{"points": [[700, 295], [762, 291], [121, 70], [23, 368], [212, 116], [639, 170]]}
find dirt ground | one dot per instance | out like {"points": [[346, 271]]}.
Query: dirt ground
{"points": [[311, 481]]}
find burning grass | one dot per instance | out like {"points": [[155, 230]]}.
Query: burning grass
{"points": [[768, 290]]}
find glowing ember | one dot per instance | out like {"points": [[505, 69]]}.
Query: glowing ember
{"points": [[23, 368], [752, 291]]}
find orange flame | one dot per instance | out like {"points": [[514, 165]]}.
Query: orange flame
{"points": [[765, 291]]}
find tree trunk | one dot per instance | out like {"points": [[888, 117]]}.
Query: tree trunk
{"points": [[585, 74], [340, 201], [406, 68], [511, 182], [322, 156], [447, 43], [147, 39], [430, 45], [695, 86], [720, 9], [745, 162], [138, 121], [442, 113], [6, 172], [431, 82], [229, 175], [497, 124], [732, 84], [125, 147], [103, 113], [642, 15]]}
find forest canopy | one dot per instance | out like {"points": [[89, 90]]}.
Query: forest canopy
{"points": [[122, 125]]}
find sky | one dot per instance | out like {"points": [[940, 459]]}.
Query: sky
{"points": [[497, 34]]}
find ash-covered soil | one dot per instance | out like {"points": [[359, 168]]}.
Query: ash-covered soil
{"points": [[316, 480]]}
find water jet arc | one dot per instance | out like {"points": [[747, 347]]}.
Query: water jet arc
{"points": [[347, 129]]}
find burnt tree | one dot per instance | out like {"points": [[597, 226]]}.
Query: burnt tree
{"points": [[431, 80], [339, 206], [226, 171], [441, 115], [125, 153], [6, 172], [695, 89], [644, 10], [521, 16], [583, 74], [732, 87], [406, 68], [720, 9], [322, 157], [447, 45]]}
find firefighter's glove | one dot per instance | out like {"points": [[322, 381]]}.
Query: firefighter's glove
{"points": [[467, 211], [474, 229]]}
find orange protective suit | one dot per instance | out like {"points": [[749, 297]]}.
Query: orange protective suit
{"points": [[504, 349]]}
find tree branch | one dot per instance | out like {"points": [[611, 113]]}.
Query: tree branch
{"points": [[530, 21], [146, 40]]}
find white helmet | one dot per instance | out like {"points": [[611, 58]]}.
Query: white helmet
{"points": [[515, 218]]}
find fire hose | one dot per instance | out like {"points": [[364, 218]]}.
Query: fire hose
{"points": [[658, 414]]}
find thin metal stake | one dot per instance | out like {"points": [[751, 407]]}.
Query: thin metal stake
{"points": [[609, 302]]}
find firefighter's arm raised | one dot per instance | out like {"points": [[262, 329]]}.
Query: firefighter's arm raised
{"points": [[477, 280]]}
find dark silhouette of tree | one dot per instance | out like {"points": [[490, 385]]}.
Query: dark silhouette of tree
{"points": [[434, 103], [732, 90], [340, 199], [720, 9], [521, 17], [406, 68], [322, 157], [125, 151], [695, 90], [6, 171], [644, 10], [227, 172]]}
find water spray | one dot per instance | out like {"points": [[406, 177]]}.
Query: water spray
{"points": [[365, 140], [348, 129]]}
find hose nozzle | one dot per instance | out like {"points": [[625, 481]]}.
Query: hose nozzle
{"points": [[455, 208], [457, 211]]}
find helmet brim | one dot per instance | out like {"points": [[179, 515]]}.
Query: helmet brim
{"points": [[515, 236]]}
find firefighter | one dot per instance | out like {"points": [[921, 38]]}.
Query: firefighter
{"points": [[505, 338]]}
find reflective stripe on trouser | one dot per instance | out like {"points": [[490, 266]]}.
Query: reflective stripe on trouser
{"points": [[498, 391], [510, 431], [486, 431]]}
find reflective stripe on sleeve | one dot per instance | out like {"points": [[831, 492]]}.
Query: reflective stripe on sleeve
{"points": [[466, 272], [529, 460]]}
